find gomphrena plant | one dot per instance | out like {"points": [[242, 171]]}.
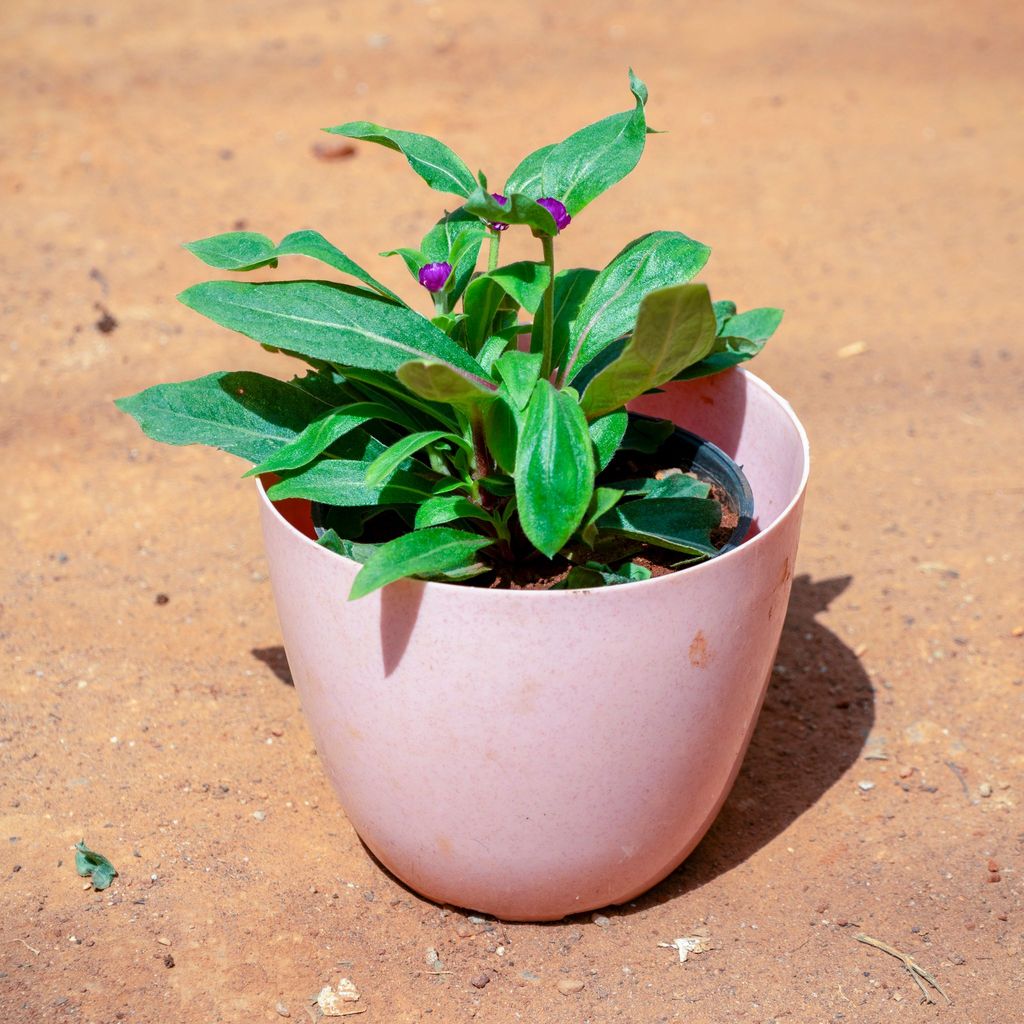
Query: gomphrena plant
{"points": [[475, 444]]}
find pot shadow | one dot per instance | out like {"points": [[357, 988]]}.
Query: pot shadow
{"points": [[817, 713], [276, 660]]}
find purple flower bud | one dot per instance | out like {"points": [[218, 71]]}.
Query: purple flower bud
{"points": [[501, 201], [558, 211], [434, 276]]}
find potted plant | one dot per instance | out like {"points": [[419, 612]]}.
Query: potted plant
{"points": [[529, 642]]}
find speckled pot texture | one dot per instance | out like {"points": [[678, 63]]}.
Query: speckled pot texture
{"points": [[537, 754]]}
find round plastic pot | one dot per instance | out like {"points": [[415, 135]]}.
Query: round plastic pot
{"points": [[536, 754]]}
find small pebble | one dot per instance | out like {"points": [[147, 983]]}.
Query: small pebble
{"points": [[957, 959], [569, 986], [985, 789], [995, 877], [601, 921], [168, 960], [74, 940], [864, 785], [163, 940], [162, 599], [259, 815], [282, 1010], [993, 865], [480, 981]]}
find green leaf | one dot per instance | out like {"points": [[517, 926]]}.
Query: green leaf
{"points": [[342, 482], [501, 431], [603, 500], [431, 159], [439, 549], [483, 297], [438, 382], [246, 414], [728, 352], [413, 259], [646, 435], [554, 470], [571, 288], [607, 433], [246, 250], [520, 371], [447, 507], [675, 485], [525, 178], [680, 524], [324, 431], [524, 282], [491, 349], [518, 209], [360, 553], [391, 458], [675, 328], [454, 239], [756, 325], [88, 862], [596, 574], [723, 310], [609, 311], [343, 325], [587, 163]]}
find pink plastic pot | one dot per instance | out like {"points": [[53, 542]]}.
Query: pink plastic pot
{"points": [[537, 754]]}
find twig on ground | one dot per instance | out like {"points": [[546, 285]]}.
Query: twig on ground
{"points": [[915, 970], [27, 946], [959, 773]]}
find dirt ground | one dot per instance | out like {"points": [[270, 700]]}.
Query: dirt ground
{"points": [[858, 163]]}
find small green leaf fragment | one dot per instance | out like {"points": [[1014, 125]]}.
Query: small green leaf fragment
{"points": [[520, 371], [607, 433], [445, 509], [646, 435], [518, 209], [438, 382], [679, 524], [90, 863], [392, 458], [439, 549]]}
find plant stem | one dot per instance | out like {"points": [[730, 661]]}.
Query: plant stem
{"points": [[482, 460], [548, 242], [492, 252], [440, 303]]}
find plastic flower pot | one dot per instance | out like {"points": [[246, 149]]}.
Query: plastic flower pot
{"points": [[536, 754]]}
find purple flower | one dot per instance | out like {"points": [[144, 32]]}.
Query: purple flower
{"points": [[434, 276], [501, 201], [557, 210]]}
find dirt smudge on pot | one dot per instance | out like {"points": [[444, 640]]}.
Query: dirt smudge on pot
{"points": [[701, 654]]}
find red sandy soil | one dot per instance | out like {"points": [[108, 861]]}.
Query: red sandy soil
{"points": [[859, 163]]}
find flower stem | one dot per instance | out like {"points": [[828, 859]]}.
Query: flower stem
{"points": [[492, 251], [548, 242]]}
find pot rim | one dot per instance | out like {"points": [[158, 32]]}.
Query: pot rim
{"points": [[742, 550]]}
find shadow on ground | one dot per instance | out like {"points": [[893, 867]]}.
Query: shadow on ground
{"points": [[819, 709]]}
